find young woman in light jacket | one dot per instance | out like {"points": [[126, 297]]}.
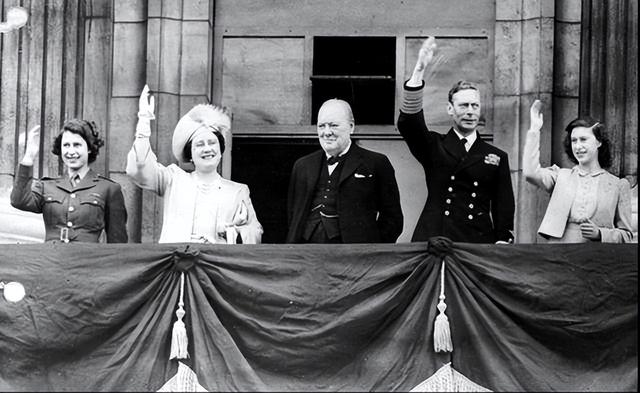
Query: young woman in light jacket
{"points": [[587, 202], [199, 206]]}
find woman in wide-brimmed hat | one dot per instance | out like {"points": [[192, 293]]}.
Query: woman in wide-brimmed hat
{"points": [[199, 206]]}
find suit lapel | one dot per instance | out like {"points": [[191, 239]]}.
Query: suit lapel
{"points": [[604, 194], [64, 184], [475, 154], [453, 146], [313, 174], [351, 162]]}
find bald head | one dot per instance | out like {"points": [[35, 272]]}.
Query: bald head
{"points": [[337, 107], [335, 126]]}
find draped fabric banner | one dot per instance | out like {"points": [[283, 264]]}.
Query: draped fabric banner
{"points": [[319, 317]]}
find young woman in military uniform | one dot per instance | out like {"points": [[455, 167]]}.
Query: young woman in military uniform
{"points": [[80, 205]]}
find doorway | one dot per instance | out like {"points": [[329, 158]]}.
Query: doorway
{"points": [[265, 164]]}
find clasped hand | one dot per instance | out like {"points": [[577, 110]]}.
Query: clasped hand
{"points": [[240, 218], [590, 230]]}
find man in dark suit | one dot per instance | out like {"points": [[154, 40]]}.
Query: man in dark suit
{"points": [[470, 197], [342, 193]]}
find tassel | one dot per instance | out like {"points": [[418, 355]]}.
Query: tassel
{"points": [[179, 340], [441, 332]]}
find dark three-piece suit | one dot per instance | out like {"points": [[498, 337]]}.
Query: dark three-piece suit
{"points": [[363, 187]]}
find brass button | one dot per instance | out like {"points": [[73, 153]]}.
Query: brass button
{"points": [[71, 208], [470, 217], [448, 201], [471, 206], [95, 202], [473, 195], [446, 212], [475, 183], [453, 177], [69, 224], [72, 195], [450, 189]]}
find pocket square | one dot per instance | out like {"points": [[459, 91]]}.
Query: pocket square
{"points": [[492, 159], [360, 176]]}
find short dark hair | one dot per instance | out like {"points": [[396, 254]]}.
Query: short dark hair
{"points": [[88, 130], [461, 85], [187, 147], [604, 155]]}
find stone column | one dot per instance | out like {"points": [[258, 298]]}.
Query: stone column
{"points": [[178, 72], [566, 76], [523, 72], [128, 78]]}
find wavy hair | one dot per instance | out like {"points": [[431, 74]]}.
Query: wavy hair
{"points": [[604, 153], [87, 130]]}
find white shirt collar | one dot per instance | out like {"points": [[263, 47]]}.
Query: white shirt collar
{"points": [[81, 173], [471, 138]]}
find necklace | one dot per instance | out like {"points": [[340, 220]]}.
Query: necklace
{"points": [[207, 188]]}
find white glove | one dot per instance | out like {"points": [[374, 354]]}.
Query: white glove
{"points": [[33, 146], [241, 216], [146, 107], [535, 115]]}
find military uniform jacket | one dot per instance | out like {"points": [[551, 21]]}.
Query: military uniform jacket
{"points": [[470, 197], [79, 213], [368, 200]]}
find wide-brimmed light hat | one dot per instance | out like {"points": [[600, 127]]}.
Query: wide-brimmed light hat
{"points": [[203, 115]]}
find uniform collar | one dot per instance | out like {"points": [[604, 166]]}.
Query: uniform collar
{"points": [[471, 138], [82, 172]]}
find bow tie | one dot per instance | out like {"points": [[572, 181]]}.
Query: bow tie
{"points": [[334, 160]]}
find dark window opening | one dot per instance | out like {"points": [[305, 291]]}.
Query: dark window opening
{"points": [[359, 70], [265, 164]]}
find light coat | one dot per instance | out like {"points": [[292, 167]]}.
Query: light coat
{"points": [[613, 205], [179, 190]]}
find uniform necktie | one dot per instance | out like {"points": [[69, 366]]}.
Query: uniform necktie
{"points": [[75, 179], [463, 142]]}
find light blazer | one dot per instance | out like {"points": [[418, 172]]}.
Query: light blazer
{"points": [[613, 209], [368, 198]]}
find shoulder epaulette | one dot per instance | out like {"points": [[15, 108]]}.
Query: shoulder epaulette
{"points": [[105, 178]]}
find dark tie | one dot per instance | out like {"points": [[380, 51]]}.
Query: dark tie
{"points": [[463, 142], [75, 179], [334, 160]]}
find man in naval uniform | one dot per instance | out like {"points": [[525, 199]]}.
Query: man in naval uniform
{"points": [[470, 197]]}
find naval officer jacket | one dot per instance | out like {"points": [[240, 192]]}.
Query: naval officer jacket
{"points": [[470, 197], [73, 213]]}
